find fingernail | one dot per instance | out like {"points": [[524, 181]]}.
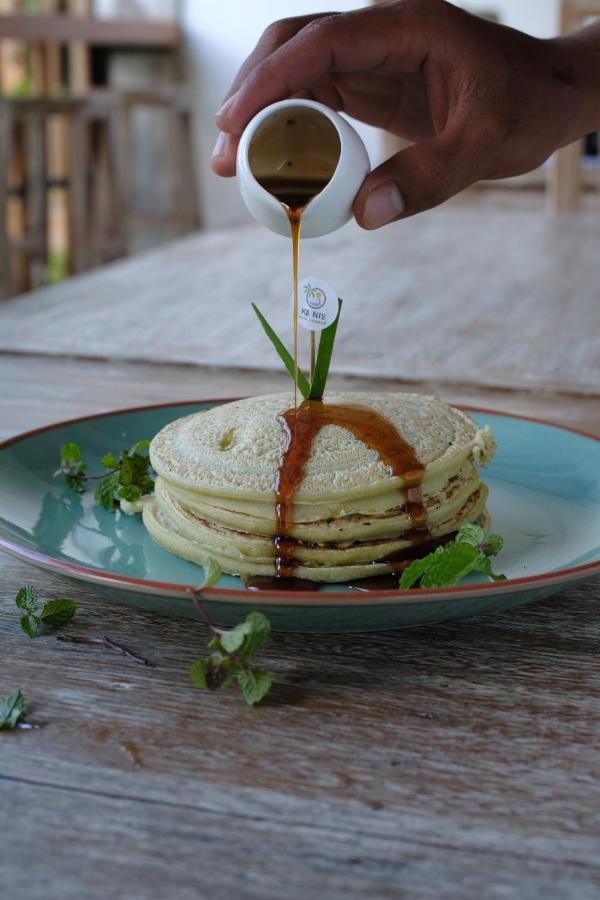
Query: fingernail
{"points": [[219, 145], [226, 106], [382, 205]]}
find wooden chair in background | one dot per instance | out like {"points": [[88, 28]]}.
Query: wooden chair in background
{"points": [[62, 139], [92, 176], [174, 107]]}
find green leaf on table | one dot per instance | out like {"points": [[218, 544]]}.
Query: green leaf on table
{"points": [[284, 354], [30, 624], [13, 709], [27, 598], [258, 634], [233, 639], [470, 551], [109, 461], [323, 360], [255, 684], [54, 613], [214, 672], [58, 612], [232, 652]]}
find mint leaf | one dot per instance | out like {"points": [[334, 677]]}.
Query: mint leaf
{"points": [[470, 551], [494, 542], [259, 632], [106, 490], [284, 354], [255, 683], [130, 492], [231, 654], [470, 533], [72, 467], [140, 446], [27, 598], [58, 612], [214, 672], [30, 624], [127, 471], [13, 709], [448, 567], [246, 637], [486, 566], [128, 475], [412, 573], [212, 573], [324, 354], [232, 640], [71, 453]]}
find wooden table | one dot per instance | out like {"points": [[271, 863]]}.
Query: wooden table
{"points": [[452, 761]]}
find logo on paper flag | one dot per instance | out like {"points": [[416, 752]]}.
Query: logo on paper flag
{"points": [[317, 304]]}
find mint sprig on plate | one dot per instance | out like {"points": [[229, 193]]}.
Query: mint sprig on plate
{"points": [[315, 389], [470, 551], [127, 476]]}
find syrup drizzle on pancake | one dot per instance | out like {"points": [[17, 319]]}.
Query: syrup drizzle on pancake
{"points": [[398, 561], [301, 425]]}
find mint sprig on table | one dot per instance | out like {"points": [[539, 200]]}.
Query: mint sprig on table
{"points": [[310, 390], [470, 551], [127, 476], [230, 659], [13, 710], [231, 650], [54, 613]]}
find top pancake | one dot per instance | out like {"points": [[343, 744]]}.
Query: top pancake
{"points": [[234, 450]]}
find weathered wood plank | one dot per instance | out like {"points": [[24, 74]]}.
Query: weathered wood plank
{"points": [[114, 847], [39, 390], [459, 295], [477, 735]]}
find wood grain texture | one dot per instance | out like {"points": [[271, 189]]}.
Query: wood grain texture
{"points": [[454, 761], [459, 295], [457, 760], [40, 390]]}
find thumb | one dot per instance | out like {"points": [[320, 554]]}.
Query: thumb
{"points": [[418, 178]]}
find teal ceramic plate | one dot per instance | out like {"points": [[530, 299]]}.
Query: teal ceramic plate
{"points": [[544, 499]]}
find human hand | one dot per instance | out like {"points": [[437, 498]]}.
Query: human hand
{"points": [[478, 99]]}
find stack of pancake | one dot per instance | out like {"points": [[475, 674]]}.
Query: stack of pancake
{"points": [[218, 471]]}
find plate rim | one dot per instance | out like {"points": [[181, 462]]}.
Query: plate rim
{"points": [[379, 597]]}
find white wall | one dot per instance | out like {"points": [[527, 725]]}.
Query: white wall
{"points": [[538, 17], [221, 33]]}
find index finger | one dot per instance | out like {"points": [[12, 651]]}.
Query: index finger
{"points": [[376, 38], [272, 38]]}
